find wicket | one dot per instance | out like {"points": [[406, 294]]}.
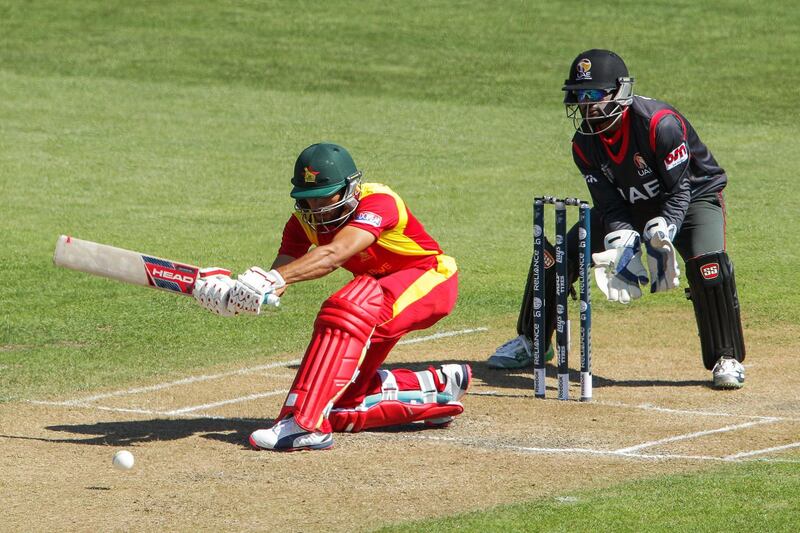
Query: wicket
{"points": [[562, 319]]}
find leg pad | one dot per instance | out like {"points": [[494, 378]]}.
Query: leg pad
{"points": [[712, 289], [341, 334], [390, 413]]}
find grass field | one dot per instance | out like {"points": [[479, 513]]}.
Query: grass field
{"points": [[172, 128]]}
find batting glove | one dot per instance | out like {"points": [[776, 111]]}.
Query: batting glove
{"points": [[619, 270], [661, 258], [255, 288], [213, 293]]}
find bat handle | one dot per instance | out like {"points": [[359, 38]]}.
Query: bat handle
{"points": [[272, 299]]}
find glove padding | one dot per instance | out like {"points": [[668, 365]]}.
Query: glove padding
{"points": [[619, 270], [213, 293], [661, 258], [255, 288]]}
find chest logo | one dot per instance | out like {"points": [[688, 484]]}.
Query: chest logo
{"points": [[641, 165]]}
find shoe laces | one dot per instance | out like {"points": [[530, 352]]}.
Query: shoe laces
{"points": [[728, 364]]}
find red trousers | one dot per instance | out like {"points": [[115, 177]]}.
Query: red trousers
{"points": [[413, 299]]}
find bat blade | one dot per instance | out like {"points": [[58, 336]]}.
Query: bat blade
{"points": [[128, 266]]}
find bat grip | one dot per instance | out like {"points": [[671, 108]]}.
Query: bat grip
{"points": [[272, 299]]}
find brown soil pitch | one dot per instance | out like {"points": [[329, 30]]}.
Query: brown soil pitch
{"points": [[652, 397]]}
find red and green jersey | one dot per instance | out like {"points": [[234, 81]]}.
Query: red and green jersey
{"points": [[401, 240]]}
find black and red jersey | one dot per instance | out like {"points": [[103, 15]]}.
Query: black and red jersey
{"points": [[655, 162]]}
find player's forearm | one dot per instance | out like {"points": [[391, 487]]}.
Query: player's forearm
{"points": [[317, 263]]}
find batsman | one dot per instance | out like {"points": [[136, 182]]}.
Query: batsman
{"points": [[402, 282], [652, 182]]}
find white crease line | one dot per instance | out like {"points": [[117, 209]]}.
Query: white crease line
{"points": [[694, 435], [185, 381], [737, 458], [443, 335], [566, 451], [651, 407], [241, 371], [577, 451], [256, 396], [112, 409], [644, 406], [763, 451]]}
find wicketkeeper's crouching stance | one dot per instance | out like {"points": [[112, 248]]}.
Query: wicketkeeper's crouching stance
{"points": [[403, 282], [652, 182]]}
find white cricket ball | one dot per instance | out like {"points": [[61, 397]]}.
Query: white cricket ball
{"points": [[123, 460]]}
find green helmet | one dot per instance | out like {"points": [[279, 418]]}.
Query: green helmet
{"points": [[321, 171]]}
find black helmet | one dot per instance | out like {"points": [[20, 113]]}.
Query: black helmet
{"points": [[600, 70], [595, 69]]}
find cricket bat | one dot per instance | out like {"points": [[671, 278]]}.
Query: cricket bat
{"points": [[128, 266]]}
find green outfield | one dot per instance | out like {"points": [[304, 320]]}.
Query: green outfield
{"points": [[172, 128], [672, 503]]}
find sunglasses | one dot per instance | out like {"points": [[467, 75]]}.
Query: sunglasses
{"points": [[591, 95]]}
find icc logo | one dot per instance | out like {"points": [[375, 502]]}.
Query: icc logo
{"points": [[583, 306], [581, 233], [537, 231], [537, 303]]}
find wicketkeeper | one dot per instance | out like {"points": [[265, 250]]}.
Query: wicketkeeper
{"points": [[652, 182], [403, 282]]}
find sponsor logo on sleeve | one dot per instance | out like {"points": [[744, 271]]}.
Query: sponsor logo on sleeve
{"points": [[590, 178], [710, 271], [369, 218], [676, 157]]}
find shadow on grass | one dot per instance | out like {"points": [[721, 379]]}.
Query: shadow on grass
{"points": [[523, 379], [129, 433]]}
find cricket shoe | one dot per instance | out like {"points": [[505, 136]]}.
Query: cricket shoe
{"points": [[287, 436], [728, 373], [456, 379], [514, 354]]}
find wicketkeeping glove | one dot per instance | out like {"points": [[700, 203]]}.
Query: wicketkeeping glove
{"points": [[255, 288], [661, 258], [619, 270]]}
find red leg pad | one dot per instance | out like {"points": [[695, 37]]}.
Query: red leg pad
{"points": [[390, 413], [341, 333]]}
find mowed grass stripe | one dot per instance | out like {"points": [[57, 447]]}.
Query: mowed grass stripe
{"points": [[751, 497]]}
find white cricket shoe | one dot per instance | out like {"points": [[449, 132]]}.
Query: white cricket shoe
{"points": [[457, 379], [728, 373], [287, 436], [516, 353]]}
